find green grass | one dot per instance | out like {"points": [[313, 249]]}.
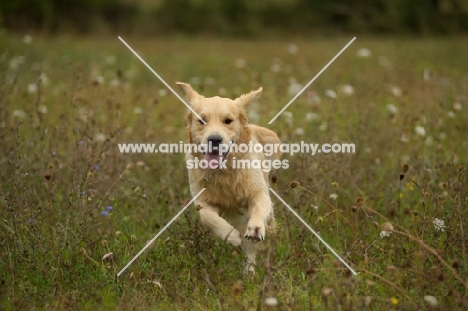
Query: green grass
{"points": [[57, 176]]}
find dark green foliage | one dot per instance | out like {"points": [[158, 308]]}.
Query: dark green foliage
{"points": [[237, 17]]}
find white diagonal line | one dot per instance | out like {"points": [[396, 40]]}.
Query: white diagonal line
{"points": [[315, 233], [161, 79], [160, 232], [310, 82]]}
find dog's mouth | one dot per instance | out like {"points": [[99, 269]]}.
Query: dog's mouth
{"points": [[214, 158]]}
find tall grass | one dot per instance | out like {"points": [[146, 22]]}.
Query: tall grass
{"points": [[68, 197]]}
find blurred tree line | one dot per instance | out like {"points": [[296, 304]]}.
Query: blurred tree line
{"points": [[235, 17]]}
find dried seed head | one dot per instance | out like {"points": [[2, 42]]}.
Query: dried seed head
{"points": [[443, 185], [294, 184], [402, 176], [47, 176], [237, 287], [375, 224], [359, 201], [386, 226], [273, 178], [405, 168], [327, 291], [354, 208]]}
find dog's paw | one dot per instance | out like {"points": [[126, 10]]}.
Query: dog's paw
{"points": [[255, 231], [235, 238], [249, 268]]}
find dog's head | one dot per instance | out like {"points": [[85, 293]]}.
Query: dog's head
{"points": [[223, 122]]}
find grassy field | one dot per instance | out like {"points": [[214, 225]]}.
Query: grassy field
{"points": [[68, 196]]}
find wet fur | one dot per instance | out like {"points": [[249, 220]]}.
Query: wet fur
{"points": [[236, 204]]}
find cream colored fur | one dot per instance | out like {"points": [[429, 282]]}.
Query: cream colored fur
{"points": [[236, 204]]}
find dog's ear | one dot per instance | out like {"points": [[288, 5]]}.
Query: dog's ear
{"points": [[246, 99], [191, 94]]}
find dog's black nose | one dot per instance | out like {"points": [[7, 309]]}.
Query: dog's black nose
{"points": [[214, 141]]}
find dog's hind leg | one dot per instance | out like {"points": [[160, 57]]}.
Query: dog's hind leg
{"points": [[250, 250]]}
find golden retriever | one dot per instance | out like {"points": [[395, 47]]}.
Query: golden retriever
{"points": [[236, 204]]}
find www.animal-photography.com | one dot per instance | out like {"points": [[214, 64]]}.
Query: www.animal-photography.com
{"points": [[233, 155]]}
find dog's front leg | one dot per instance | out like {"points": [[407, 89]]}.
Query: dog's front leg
{"points": [[209, 216], [260, 210]]}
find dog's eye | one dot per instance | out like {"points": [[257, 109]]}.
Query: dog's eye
{"points": [[227, 121]]}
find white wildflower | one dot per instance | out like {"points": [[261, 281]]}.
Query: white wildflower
{"points": [[19, 114], [330, 93], [323, 127], [137, 110], [32, 88], [364, 53], [346, 89], [210, 80], [294, 87], [384, 234], [404, 138], [431, 300], [439, 224], [108, 257], [392, 108], [396, 91], [27, 39], [162, 92], [292, 49], [100, 137], [240, 63], [333, 196], [427, 74], [276, 67], [288, 116], [429, 141], [313, 98], [16, 62], [114, 82], [451, 114], [44, 79], [98, 79], [299, 131], [252, 112], [457, 106], [271, 301], [311, 116], [195, 80], [385, 62], [420, 131], [42, 109]]}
